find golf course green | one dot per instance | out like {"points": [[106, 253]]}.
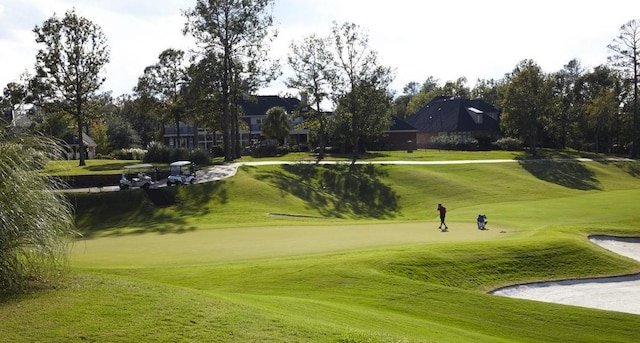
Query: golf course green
{"points": [[342, 253]]}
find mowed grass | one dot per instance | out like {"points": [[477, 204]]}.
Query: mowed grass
{"points": [[220, 267], [92, 167]]}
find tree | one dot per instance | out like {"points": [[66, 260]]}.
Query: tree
{"points": [[142, 113], [360, 78], [428, 91], [13, 95], [120, 133], [37, 222], [71, 63], [488, 90], [600, 110], [314, 72], [234, 35], [374, 103], [202, 106], [401, 102], [165, 81], [597, 94], [456, 88], [276, 124], [626, 57], [527, 103], [565, 93]]}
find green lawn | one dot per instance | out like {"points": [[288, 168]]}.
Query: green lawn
{"points": [[92, 167], [362, 260]]}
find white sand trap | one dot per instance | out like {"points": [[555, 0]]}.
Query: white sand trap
{"points": [[621, 294]]}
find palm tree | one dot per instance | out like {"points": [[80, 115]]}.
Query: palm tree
{"points": [[35, 222], [276, 124]]}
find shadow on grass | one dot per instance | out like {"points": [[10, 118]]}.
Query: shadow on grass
{"points": [[558, 154], [566, 173], [630, 167], [337, 190], [150, 211], [194, 199]]}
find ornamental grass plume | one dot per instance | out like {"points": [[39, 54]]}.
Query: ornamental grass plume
{"points": [[36, 223]]}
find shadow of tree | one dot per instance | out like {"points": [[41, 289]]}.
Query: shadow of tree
{"points": [[337, 190], [142, 209], [194, 199], [631, 168], [567, 173]]}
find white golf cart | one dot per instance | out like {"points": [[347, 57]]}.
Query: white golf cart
{"points": [[137, 176], [181, 173]]}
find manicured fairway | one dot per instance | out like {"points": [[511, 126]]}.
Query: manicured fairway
{"points": [[237, 244]]}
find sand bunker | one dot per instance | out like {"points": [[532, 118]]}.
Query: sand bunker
{"points": [[620, 294]]}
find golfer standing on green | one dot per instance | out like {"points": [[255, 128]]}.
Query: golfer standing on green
{"points": [[443, 214]]}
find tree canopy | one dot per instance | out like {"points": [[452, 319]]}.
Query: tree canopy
{"points": [[362, 86], [626, 56], [276, 124], [527, 103], [70, 64], [234, 36], [313, 64]]}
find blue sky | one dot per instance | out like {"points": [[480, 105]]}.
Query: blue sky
{"points": [[418, 39]]}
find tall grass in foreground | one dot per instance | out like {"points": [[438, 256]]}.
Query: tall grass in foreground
{"points": [[35, 222]]}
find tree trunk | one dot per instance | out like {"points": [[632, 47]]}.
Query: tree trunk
{"points": [[236, 143], [177, 122], [196, 137], [80, 140], [80, 145], [635, 133], [226, 133], [321, 139]]}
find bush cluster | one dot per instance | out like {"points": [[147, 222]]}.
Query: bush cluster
{"points": [[160, 153], [509, 144], [453, 143], [259, 150]]}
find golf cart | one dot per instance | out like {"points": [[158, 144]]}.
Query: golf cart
{"points": [[136, 176], [181, 173]]}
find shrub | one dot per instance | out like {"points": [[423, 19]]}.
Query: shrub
{"points": [[121, 155], [453, 143], [264, 151], [160, 153], [199, 156], [509, 144], [216, 151], [136, 153], [179, 154], [157, 153]]}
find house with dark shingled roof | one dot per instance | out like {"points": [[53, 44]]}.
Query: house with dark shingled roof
{"points": [[463, 118]]}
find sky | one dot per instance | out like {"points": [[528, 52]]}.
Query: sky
{"points": [[418, 39]]}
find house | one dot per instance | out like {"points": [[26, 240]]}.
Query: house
{"points": [[400, 136], [463, 118], [71, 149], [254, 110]]}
